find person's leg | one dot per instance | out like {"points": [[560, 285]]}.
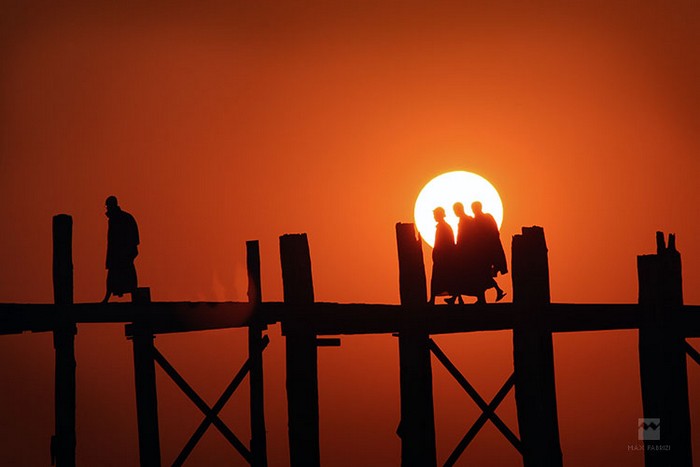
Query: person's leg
{"points": [[108, 294], [451, 300], [499, 291], [108, 287], [485, 283], [499, 295]]}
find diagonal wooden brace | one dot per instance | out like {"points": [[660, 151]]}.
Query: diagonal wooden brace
{"points": [[487, 409], [481, 421], [211, 413], [694, 354]]}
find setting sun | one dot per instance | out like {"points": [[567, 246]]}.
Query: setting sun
{"points": [[449, 188]]}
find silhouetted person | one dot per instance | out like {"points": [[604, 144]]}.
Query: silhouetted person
{"points": [[489, 258], [442, 281], [465, 274], [122, 249]]}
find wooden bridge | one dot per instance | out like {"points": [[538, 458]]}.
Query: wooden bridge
{"points": [[663, 322]]}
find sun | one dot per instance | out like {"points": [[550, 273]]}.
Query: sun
{"points": [[449, 188]]}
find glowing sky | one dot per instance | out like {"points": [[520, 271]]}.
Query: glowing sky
{"points": [[216, 123]]}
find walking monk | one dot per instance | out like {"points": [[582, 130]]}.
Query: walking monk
{"points": [[443, 281], [122, 249], [480, 254], [489, 258]]}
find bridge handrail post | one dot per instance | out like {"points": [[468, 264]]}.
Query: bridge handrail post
{"points": [[417, 425], [301, 354], [64, 440], [662, 359], [533, 353], [258, 437], [142, 338]]}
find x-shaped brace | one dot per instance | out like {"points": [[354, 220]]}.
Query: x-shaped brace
{"points": [[488, 409], [694, 354], [211, 414]]}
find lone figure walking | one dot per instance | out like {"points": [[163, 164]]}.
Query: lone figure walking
{"points": [[122, 249]]}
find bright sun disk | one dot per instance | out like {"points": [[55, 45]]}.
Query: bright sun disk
{"points": [[449, 188]]}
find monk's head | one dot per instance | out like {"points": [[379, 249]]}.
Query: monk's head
{"points": [[477, 208], [111, 204], [439, 214], [458, 208]]}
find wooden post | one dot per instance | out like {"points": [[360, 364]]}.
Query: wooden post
{"points": [[533, 354], [63, 442], [417, 426], [412, 283], [253, 268], [301, 354], [146, 393], [665, 428], [258, 440]]}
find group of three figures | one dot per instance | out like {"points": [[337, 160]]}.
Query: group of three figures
{"points": [[469, 266]]}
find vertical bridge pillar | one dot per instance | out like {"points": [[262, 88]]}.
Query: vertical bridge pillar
{"points": [[417, 426], [258, 441], [533, 356], [63, 441], [301, 354], [665, 428], [146, 393]]}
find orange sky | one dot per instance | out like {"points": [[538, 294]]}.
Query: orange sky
{"points": [[215, 124]]}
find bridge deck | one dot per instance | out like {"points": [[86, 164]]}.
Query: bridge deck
{"points": [[334, 318]]}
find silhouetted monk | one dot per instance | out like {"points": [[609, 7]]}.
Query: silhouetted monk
{"points": [[122, 249], [465, 274], [442, 281], [489, 258]]}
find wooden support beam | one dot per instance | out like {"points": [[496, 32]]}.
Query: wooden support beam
{"points": [[692, 353], [165, 318], [489, 410], [533, 354], [301, 355], [332, 318], [417, 426], [328, 342], [146, 393], [64, 331], [297, 280], [253, 267], [141, 295], [662, 358], [412, 283], [258, 438], [211, 414]]}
